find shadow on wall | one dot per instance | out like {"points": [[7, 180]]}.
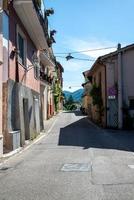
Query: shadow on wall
{"points": [[15, 117], [83, 134]]}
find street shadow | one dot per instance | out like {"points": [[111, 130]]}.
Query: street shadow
{"points": [[77, 113], [83, 134]]}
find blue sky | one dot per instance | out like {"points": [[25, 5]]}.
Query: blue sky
{"points": [[89, 24]]}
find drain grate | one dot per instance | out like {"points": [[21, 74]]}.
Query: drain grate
{"points": [[76, 167]]}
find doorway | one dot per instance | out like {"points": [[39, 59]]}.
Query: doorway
{"points": [[37, 116], [112, 117], [26, 119]]}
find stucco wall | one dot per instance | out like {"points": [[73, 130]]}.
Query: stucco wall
{"points": [[96, 76], [1, 70], [15, 113], [25, 77], [128, 75]]}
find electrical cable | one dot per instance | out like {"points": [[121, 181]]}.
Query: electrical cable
{"points": [[77, 58], [82, 51]]}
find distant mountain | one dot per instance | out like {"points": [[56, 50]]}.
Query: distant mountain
{"points": [[76, 94]]}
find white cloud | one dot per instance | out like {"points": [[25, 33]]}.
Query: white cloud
{"points": [[74, 67], [72, 85], [92, 43]]}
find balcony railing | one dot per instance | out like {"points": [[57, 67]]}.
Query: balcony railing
{"points": [[46, 78], [43, 18]]}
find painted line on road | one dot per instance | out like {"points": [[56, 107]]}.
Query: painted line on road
{"points": [[131, 166]]}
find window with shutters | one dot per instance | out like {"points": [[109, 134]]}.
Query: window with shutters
{"points": [[22, 47], [37, 70]]}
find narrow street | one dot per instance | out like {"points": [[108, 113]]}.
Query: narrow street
{"points": [[75, 161]]}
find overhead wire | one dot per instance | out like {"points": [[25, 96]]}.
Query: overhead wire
{"points": [[77, 58], [88, 50]]}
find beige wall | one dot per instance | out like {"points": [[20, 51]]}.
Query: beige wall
{"points": [[1, 71], [128, 75], [96, 79]]}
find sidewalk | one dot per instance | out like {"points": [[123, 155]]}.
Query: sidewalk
{"points": [[48, 127]]}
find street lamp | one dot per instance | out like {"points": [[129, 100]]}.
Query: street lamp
{"points": [[69, 57]]}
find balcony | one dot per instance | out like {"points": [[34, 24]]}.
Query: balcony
{"points": [[45, 78], [34, 19], [47, 59]]}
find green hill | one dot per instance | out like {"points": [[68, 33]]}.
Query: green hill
{"points": [[76, 94]]}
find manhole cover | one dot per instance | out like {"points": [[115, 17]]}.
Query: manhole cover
{"points": [[76, 167]]}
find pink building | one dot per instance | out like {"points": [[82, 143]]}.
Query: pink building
{"points": [[26, 51]]}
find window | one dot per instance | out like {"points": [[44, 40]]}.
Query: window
{"points": [[37, 71], [21, 45], [131, 104], [21, 49]]}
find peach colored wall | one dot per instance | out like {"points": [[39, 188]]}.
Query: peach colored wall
{"points": [[111, 73], [100, 69], [128, 74], [1, 71], [26, 78], [1, 67]]}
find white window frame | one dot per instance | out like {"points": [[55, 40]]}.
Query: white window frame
{"points": [[19, 31]]}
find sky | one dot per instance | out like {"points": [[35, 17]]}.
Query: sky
{"points": [[88, 24]]}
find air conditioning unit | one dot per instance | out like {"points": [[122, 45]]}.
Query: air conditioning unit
{"points": [[15, 139]]}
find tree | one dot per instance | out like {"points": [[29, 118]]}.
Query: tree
{"points": [[70, 104], [96, 95], [70, 100]]}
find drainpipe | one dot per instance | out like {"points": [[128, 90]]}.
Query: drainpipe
{"points": [[105, 95], [120, 115]]}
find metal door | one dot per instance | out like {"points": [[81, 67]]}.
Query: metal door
{"points": [[112, 115]]}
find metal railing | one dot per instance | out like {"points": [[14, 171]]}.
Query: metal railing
{"points": [[45, 77], [42, 18]]}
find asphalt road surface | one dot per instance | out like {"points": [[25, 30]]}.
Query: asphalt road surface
{"points": [[75, 161]]}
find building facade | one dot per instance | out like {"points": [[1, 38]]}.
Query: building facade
{"points": [[26, 47], [119, 87], [113, 73], [86, 98], [94, 95], [57, 88]]}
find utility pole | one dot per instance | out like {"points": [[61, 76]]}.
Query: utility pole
{"points": [[120, 96]]}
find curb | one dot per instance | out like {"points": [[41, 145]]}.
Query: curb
{"points": [[20, 150]]}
